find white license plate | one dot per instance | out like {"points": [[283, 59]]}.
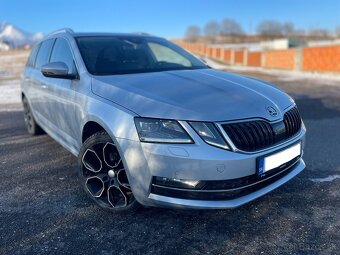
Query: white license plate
{"points": [[279, 159]]}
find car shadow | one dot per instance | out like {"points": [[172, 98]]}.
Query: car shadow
{"points": [[315, 108]]}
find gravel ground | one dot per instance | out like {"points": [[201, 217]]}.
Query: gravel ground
{"points": [[44, 210]]}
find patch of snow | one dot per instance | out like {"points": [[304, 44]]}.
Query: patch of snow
{"points": [[12, 65], [10, 95], [14, 56], [326, 179]]}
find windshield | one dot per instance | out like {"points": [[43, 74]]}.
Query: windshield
{"points": [[109, 55]]}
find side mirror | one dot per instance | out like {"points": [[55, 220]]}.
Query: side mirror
{"points": [[57, 70]]}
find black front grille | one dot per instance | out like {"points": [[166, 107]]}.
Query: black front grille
{"points": [[260, 134], [292, 121]]}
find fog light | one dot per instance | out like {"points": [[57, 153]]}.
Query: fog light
{"points": [[178, 183]]}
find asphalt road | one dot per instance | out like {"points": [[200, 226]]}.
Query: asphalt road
{"points": [[44, 210]]}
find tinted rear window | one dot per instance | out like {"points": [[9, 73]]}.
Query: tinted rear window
{"points": [[44, 53], [33, 55], [109, 55]]}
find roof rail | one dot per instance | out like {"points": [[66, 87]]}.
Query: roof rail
{"points": [[141, 33], [62, 30]]}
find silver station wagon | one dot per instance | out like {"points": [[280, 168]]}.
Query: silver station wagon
{"points": [[152, 124]]}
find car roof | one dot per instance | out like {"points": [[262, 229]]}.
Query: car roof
{"points": [[70, 32], [111, 34]]}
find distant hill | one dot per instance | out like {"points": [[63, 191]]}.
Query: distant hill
{"points": [[16, 37]]}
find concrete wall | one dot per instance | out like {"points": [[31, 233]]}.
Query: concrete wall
{"points": [[239, 55], [322, 59], [318, 59], [254, 59], [226, 56], [280, 59]]}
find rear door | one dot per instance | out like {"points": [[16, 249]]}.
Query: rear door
{"points": [[37, 95]]}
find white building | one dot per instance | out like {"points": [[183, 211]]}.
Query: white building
{"points": [[4, 46]]}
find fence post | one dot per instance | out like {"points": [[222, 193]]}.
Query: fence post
{"points": [[263, 58], [245, 57], [221, 54], [232, 56], [298, 66], [213, 53]]}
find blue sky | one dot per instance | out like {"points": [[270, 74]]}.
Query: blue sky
{"points": [[168, 18]]}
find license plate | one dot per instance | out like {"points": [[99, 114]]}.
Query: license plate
{"points": [[278, 160]]}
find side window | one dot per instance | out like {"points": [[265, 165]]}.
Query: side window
{"points": [[44, 53], [33, 55], [168, 55], [62, 53]]}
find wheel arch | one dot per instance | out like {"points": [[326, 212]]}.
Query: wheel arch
{"points": [[94, 125], [91, 127], [23, 95]]}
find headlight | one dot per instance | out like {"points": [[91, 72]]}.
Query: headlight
{"points": [[161, 131], [209, 133]]}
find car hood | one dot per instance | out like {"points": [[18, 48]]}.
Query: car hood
{"points": [[202, 94]]}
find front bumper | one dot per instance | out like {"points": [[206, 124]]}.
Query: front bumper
{"points": [[199, 161], [231, 203]]}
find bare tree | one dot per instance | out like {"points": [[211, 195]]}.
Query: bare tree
{"points": [[300, 32], [288, 29], [192, 33], [319, 32], [231, 27], [270, 28], [212, 28]]}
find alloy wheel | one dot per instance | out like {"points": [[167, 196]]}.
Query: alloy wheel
{"points": [[29, 121], [105, 177]]}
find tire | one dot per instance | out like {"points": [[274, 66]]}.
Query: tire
{"points": [[102, 174], [31, 125]]}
